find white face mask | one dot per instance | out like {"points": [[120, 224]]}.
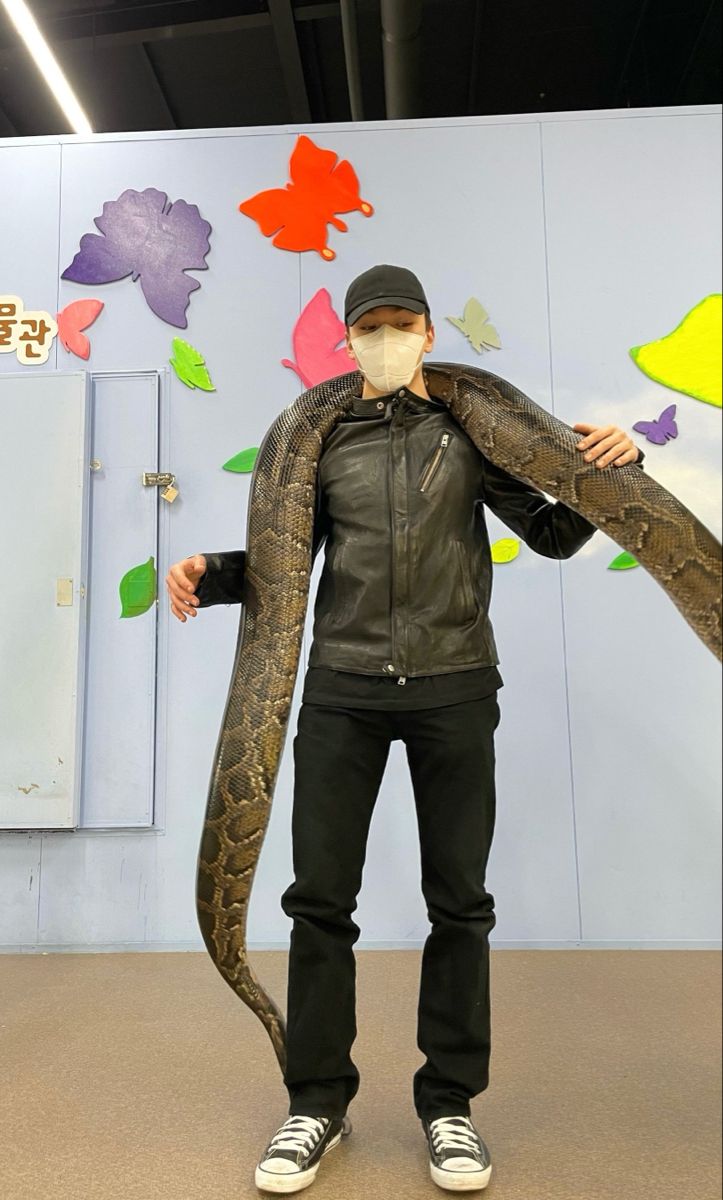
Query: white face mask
{"points": [[389, 357]]}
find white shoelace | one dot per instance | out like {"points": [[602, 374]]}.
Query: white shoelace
{"points": [[298, 1133], [448, 1135]]}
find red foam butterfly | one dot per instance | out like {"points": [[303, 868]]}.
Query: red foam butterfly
{"points": [[317, 333], [73, 318], [299, 213]]}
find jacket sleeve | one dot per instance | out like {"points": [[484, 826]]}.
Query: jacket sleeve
{"points": [[223, 579], [552, 529]]}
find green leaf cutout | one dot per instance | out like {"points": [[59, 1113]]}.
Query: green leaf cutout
{"points": [[138, 589], [623, 562], [243, 462], [190, 366]]}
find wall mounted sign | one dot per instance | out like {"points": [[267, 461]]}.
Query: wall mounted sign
{"points": [[27, 332]]}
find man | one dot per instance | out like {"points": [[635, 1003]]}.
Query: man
{"points": [[403, 648]]}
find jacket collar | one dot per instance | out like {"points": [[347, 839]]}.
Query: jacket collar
{"points": [[373, 407]]}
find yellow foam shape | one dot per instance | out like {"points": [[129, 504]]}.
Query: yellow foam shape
{"points": [[689, 359], [504, 550]]}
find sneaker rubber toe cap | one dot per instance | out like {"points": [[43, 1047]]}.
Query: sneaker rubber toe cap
{"points": [[279, 1166]]}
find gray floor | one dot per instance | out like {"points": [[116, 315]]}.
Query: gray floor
{"points": [[141, 1076]]}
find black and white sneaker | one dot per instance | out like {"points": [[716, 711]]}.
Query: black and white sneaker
{"points": [[291, 1159], [458, 1158]]}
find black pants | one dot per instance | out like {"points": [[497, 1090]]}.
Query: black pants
{"points": [[340, 755]]}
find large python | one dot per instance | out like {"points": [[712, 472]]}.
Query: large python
{"points": [[516, 434]]}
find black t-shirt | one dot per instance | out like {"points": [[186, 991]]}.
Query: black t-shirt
{"points": [[323, 685]]}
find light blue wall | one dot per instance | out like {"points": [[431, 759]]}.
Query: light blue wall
{"points": [[584, 234]]}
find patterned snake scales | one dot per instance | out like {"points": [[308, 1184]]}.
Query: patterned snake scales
{"points": [[516, 434]]}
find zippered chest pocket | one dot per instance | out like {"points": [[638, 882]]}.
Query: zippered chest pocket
{"points": [[432, 466]]}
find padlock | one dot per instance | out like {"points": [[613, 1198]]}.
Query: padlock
{"points": [[170, 492]]}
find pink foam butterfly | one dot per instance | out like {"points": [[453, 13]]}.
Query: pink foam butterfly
{"points": [[74, 318], [316, 335]]}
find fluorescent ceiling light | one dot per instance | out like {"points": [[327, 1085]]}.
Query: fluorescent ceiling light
{"points": [[45, 60]]}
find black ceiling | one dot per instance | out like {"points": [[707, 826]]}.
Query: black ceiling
{"points": [[180, 64]]}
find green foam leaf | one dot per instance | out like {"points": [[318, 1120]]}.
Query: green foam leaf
{"points": [[243, 462], [189, 365], [623, 562], [138, 589]]}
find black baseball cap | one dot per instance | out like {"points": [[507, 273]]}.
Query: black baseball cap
{"points": [[384, 285]]}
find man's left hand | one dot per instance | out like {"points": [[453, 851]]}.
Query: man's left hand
{"points": [[606, 444]]}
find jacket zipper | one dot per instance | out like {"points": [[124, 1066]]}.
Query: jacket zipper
{"points": [[431, 470], [402, 678], [425, 481]]}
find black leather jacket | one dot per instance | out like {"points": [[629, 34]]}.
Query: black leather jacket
{"points": [[407, 578]]}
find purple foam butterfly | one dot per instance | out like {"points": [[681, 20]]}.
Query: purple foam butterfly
{"points": [[148, 237], [659, 431]]}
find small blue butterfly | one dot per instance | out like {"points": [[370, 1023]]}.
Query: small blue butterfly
{"points": [[659, 431]]}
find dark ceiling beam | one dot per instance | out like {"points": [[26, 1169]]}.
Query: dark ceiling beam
{"points": [[54, 29], [402, 41], [350, 37], [696, 47], [319, 12], [146, 64], [475, 72], [287, 44], [622, 80], [155, 33]]}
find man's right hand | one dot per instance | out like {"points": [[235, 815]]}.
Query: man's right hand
{"points": [[181, 582]]}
